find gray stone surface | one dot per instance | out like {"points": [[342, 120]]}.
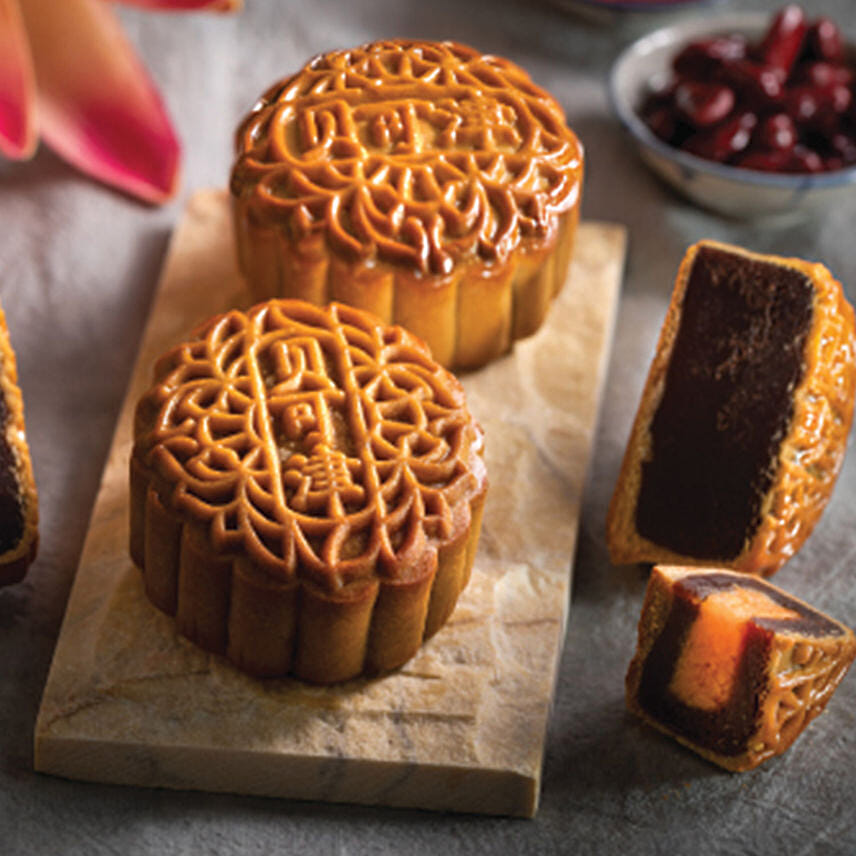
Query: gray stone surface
{"points": [[78, 265]]}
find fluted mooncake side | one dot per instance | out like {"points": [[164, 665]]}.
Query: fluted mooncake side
{"points": [[430, 184], [306, 490]]}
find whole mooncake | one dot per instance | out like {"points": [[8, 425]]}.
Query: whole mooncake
{"points": [[730, 665], [435, 186], [743, 422], [306, 490]]}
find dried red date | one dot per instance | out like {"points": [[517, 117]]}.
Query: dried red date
{"points": [[702, 58], [765, 160], [663, 123], [703, 104], [805, 160], [843, 146], [724, 141], [802, 104], [783, 42], [840, 98], [824, 74], [782, 104], [778, 132], [824, 41], [757, 84], [816, 109], [800, 159]]}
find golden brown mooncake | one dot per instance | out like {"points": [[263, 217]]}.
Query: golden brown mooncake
{"points": [[743, 422], [730, 665], [19, 508], [306, 490], [425, 182]]}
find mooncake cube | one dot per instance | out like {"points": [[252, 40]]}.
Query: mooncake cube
{"points": [[430, 184], [742, 425], [730, 665], [306, 491]]}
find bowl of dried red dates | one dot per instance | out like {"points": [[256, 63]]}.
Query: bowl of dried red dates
{"points": [[744, 114]]}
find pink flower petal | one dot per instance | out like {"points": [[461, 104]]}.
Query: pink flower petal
{"points": [[187, 5], [17, 85], [98, 108]]}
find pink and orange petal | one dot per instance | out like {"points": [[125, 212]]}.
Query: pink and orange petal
{"points": [[187, 5], [68, 73], [18, 135], [97, 107]]}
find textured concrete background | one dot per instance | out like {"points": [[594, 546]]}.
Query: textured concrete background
{"points": [[78, 264]]}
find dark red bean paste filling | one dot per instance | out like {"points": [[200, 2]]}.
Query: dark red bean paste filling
{"points": [[726, 406], [11, 513], [727, 730]]}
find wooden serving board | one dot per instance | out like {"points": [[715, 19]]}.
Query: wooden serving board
{"points": [[462, 725]]}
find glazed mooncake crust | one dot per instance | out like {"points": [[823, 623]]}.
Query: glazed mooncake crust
{"points": [[809, 454], [306, 491], [19, 508], [737, 708], [432, 185]]}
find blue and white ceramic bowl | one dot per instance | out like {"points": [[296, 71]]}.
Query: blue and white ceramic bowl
{"points": [[728, 190], [619, 12], [639, 5]]}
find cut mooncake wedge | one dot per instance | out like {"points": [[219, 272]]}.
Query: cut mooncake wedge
{"points": [[743, 421], [730, 665], [306, 491], [430, 184], [19, 510]]}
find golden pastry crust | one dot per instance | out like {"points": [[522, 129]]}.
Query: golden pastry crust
{"points": [[306, 490], [800, 670], [810, 454], [18, 494], [432, 185]]}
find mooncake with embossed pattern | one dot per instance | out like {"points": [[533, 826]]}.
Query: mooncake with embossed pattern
{"points": [[306, 490], [435, 186]]}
